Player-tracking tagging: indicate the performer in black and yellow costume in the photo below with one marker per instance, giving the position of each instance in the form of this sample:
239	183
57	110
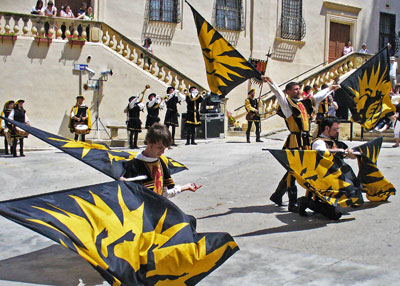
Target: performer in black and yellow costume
251	104
18	113
153	109
327	140
171	116
193	100
5	127
133	122
80	119
322	111
149	170
296	112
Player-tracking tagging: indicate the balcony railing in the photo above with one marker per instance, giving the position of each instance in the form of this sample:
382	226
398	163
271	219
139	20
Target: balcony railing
28	25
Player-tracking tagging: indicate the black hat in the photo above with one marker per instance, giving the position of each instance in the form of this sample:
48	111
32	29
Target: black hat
151	94
191	88
251	90
20	100
131	98
80	96
169	88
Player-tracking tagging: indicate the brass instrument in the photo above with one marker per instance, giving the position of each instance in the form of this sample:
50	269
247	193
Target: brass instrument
142	93
186	92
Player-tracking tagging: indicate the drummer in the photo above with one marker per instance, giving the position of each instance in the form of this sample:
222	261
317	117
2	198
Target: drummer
5	126
80	121
18	113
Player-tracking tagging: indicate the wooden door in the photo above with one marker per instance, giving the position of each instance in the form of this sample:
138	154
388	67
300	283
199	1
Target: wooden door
339	34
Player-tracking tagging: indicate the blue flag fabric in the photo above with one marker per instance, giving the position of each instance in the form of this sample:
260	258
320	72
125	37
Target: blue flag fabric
129	234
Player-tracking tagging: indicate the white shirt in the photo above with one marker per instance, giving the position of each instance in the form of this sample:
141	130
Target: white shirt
155	100
284	104
52	12
11	116
177	94
73	110
393	69
168	193
135	101
320	144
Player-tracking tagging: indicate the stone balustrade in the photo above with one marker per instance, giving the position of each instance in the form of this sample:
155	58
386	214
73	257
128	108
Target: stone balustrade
325	75
28	25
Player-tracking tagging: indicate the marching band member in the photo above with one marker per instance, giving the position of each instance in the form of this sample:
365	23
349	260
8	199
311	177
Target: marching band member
18	113
253	115
80	119
193	100
133	123
171	116
5	126
153	108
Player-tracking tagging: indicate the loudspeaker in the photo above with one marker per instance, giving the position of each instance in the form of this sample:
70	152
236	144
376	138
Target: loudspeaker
212	126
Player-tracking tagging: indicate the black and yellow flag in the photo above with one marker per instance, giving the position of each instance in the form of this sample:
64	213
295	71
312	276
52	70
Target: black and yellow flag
368	89
323	173
375	185
98	156
225	66
129	234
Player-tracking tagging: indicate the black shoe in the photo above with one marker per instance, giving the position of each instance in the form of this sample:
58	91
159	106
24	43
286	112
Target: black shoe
131	147
294	208
22	155
187	143
302	206
193	143
259	140
276	199
135	147
173	144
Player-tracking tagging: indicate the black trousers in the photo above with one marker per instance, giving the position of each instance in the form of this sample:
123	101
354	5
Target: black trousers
133	138
257	124
82	137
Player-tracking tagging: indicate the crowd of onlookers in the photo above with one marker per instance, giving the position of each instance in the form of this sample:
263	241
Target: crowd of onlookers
85	12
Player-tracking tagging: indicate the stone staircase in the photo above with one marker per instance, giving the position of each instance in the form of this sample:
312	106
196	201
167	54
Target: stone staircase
388	135
27	25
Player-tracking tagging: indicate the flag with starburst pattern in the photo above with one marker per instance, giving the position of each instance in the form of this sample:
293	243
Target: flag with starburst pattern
325	174
98	156
368	91
129	234
375	185
225	66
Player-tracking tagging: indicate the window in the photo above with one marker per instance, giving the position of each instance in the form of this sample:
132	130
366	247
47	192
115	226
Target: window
292	24
164	10
387	34
229	15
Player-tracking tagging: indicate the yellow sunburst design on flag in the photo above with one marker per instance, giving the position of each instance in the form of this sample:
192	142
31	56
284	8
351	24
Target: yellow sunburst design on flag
183	261
225	66
86	147
372	99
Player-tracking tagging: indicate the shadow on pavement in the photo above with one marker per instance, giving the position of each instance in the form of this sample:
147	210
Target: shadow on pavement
265	209
53	265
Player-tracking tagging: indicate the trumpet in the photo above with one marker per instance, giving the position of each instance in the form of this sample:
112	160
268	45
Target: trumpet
186	91
142	93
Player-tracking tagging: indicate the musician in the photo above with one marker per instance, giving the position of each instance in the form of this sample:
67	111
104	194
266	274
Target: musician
148	163
133	122
326	141
171	116
193	100
153	109
296	112
5	128
251	104
80	118
18	113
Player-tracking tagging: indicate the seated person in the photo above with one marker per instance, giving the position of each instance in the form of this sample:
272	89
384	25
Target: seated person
327	140
148	164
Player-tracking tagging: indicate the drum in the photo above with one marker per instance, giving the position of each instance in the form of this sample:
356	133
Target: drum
82	129
20	132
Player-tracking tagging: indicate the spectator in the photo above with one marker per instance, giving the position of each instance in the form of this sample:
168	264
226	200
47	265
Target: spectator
38	9
332	107
67	12
393	73
89	14
306	92
364	49
50	10
383	124
348	48
82	11
390	50
149	48
315	88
